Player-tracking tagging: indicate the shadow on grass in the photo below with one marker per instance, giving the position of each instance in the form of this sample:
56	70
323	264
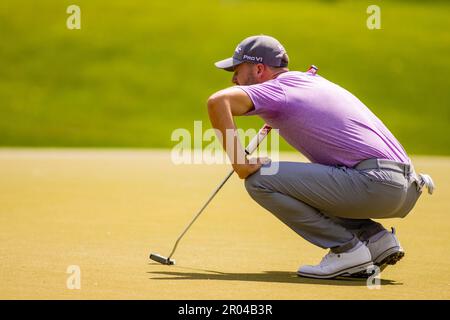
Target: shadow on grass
266	276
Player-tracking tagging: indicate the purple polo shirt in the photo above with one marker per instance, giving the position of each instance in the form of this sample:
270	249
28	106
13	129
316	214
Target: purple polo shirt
323	121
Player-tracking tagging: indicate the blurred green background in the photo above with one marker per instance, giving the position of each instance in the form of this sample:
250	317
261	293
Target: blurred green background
137	70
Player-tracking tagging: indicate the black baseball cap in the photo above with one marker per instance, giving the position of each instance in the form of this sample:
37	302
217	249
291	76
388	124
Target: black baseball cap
256	49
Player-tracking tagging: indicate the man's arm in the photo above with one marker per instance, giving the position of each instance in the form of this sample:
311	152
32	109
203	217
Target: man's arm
222	106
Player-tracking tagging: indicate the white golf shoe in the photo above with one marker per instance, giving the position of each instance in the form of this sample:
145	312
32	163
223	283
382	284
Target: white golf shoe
386	250
339	264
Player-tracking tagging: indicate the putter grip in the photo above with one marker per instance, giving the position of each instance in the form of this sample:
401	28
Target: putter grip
262	133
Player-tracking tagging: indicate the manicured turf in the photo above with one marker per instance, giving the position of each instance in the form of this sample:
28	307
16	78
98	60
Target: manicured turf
137	70
106	211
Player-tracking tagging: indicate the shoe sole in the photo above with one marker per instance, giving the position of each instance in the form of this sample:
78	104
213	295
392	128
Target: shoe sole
388	257
348	271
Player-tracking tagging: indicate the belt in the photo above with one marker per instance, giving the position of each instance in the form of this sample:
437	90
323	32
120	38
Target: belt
421	180
400	167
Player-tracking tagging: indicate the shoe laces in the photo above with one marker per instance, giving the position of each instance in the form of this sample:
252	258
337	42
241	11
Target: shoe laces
329	255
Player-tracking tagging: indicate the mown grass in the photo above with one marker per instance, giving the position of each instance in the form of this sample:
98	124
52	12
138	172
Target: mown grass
138	70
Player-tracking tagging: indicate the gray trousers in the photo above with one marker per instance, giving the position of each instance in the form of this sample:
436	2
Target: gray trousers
333	207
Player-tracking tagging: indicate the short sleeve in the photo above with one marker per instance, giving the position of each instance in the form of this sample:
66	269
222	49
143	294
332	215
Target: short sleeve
268	98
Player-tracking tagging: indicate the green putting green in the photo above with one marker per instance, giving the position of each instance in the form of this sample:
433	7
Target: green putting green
103	212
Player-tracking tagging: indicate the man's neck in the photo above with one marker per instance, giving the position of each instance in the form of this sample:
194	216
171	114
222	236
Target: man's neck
276	74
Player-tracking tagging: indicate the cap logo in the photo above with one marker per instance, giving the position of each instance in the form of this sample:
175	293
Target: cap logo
238	49
252	58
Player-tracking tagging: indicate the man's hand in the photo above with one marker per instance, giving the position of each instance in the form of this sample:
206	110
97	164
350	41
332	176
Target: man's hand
249	168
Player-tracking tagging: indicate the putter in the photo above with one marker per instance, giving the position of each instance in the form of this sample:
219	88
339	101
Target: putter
252	146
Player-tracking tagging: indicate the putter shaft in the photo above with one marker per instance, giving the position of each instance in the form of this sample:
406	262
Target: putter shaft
253	145
201	210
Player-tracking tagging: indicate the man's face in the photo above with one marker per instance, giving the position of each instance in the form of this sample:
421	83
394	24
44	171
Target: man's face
245	74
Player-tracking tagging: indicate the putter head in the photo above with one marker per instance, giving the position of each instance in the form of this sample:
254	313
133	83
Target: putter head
161	259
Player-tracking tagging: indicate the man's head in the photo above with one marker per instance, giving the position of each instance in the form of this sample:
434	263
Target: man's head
248	73
255	60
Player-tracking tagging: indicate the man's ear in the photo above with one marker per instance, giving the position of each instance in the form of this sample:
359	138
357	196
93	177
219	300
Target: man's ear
260	69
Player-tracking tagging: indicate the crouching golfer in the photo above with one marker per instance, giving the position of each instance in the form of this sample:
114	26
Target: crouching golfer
358	170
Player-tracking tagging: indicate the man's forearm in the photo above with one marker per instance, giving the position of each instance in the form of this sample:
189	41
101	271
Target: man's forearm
222	119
